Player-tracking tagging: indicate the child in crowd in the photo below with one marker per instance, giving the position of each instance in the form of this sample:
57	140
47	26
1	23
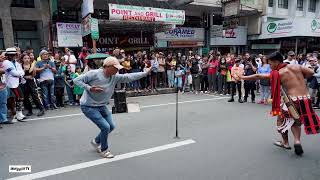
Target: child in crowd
155	66
188	79
77	91
178	78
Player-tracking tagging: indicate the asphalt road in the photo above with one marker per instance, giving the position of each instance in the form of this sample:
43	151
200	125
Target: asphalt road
225	141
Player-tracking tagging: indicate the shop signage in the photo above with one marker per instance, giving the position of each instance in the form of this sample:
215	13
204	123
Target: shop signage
185	44
69	35
161	44
315	26
115	40
94	23
182	33
216	31
290	28
146	14
230	37
229	33
280	27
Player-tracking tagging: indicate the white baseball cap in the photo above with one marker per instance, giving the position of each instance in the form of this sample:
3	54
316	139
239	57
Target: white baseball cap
112	61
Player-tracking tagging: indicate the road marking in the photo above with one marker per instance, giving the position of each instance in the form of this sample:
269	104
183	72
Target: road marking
142	107
155	95
183	102
54	117
88	164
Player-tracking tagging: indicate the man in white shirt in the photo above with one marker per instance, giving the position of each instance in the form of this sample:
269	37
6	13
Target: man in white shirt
291	58
13	73
70	60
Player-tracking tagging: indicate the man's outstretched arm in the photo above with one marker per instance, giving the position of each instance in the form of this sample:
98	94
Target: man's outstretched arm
255	77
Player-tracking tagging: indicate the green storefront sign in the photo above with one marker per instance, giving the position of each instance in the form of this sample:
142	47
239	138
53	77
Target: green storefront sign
315	25
94	28
272	27
284	27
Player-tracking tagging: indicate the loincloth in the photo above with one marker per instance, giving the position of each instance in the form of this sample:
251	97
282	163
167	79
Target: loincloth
308	117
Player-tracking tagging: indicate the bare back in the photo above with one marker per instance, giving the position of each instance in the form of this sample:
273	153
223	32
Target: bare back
293	79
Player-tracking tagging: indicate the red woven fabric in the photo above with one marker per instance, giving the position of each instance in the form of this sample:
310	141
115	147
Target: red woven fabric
275	89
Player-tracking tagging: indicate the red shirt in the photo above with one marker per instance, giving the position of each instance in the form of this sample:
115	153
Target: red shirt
83	56
213	65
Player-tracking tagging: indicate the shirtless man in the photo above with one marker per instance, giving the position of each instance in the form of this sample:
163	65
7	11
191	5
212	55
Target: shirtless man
291	77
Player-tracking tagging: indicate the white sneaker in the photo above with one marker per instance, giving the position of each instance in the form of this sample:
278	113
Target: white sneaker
20	116
96	146
106	154
14	120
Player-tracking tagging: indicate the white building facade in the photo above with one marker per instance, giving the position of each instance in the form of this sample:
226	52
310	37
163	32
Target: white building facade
286	25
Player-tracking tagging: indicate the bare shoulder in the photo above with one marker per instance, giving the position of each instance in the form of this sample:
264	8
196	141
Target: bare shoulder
290	68
294	67
299	69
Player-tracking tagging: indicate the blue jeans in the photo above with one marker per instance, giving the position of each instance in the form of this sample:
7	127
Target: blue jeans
47	88
3	105
265	92
170	75
70	94
178	82
136	84
101	117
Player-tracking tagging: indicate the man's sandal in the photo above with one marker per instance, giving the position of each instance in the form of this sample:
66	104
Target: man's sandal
298	149
280	144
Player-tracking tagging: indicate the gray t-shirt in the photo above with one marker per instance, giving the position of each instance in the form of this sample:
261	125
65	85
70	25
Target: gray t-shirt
98	78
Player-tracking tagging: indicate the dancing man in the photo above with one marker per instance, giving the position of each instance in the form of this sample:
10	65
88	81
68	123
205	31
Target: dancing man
98	88
297	108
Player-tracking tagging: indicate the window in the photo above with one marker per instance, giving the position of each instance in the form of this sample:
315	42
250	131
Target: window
270	4
23	3
283	4
312	5
21	25
300	5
